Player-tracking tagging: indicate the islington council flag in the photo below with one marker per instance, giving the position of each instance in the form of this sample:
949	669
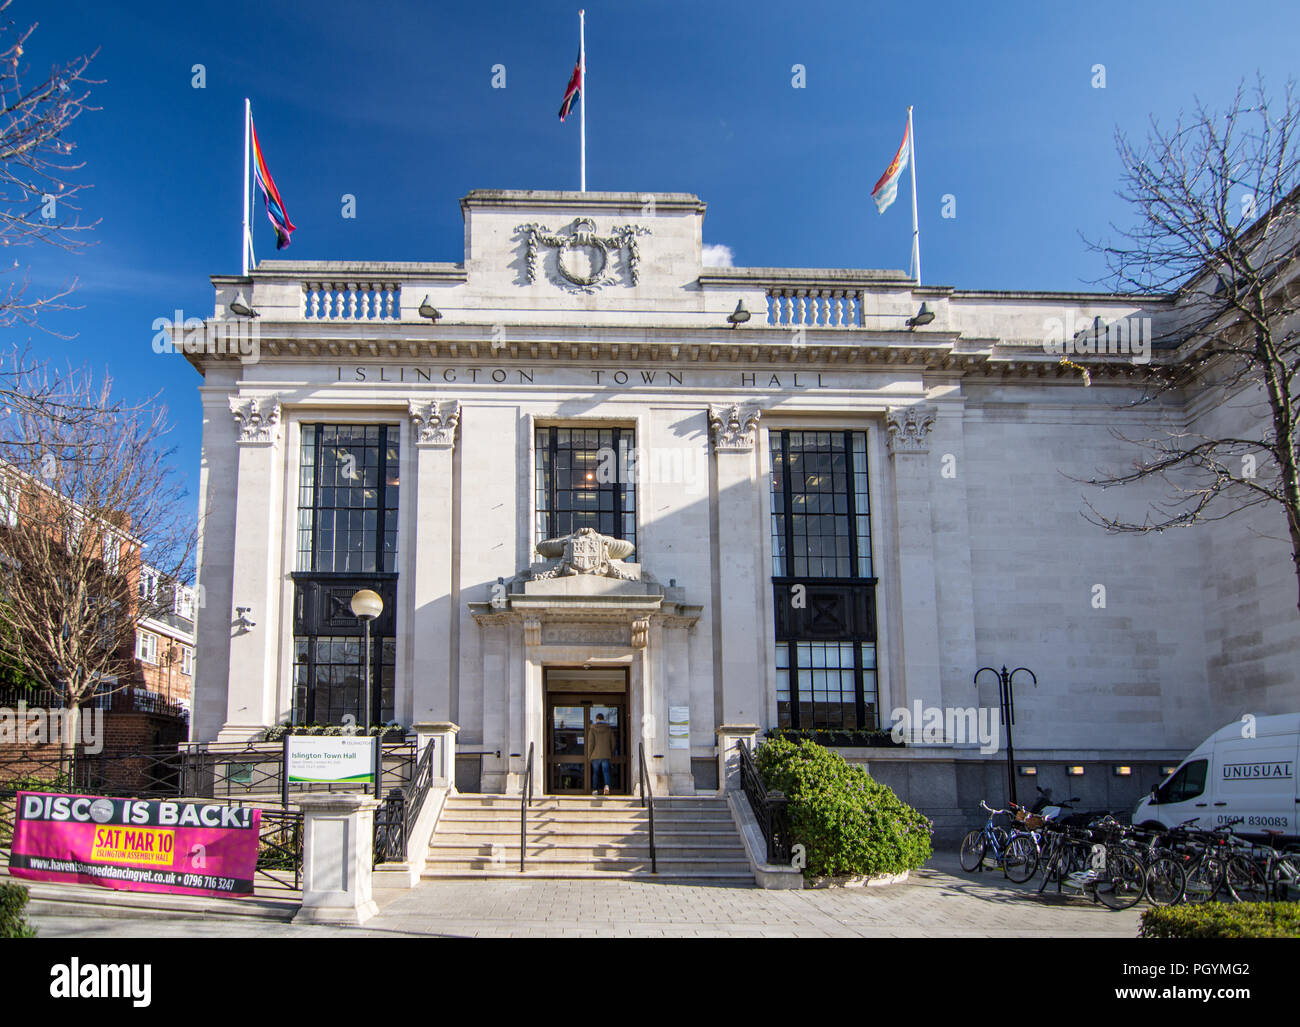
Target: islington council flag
887	188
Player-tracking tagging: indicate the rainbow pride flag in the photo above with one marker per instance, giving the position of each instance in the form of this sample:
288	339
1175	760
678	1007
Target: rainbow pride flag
275	211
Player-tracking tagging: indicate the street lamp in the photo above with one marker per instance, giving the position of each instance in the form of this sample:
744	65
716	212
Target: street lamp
1007	702
367	605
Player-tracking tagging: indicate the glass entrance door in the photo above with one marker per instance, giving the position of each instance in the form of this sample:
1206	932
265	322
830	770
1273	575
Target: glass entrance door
569	737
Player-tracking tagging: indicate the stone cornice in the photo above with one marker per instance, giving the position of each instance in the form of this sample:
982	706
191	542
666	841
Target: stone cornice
536	199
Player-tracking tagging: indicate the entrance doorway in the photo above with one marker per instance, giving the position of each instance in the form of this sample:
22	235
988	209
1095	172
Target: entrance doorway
574	699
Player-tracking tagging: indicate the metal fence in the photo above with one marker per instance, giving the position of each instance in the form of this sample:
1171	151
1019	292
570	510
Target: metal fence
769	807
279	847
127	699
395	818
251	772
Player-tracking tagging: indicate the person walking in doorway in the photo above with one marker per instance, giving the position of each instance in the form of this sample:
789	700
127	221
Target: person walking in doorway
602	751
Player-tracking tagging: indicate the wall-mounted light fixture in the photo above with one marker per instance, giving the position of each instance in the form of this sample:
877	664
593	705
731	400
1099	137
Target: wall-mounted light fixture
1027	770
922	317
738	316
1074	771
240	307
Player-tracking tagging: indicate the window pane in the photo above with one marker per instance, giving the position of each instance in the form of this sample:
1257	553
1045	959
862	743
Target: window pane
582	482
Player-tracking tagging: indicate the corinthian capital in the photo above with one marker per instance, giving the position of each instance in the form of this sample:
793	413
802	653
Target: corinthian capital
435	423
733	429
256	419
909	428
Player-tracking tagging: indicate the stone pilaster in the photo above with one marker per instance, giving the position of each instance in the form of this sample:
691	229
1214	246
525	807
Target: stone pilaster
254	664
733	431
917	607
429	558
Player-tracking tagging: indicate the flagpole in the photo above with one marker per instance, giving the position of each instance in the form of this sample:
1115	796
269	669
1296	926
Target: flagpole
247	241
582	100
916	228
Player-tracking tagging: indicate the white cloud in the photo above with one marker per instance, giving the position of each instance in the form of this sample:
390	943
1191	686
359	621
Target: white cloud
717	255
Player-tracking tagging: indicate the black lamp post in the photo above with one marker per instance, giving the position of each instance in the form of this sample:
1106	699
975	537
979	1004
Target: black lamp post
1007	704
367	605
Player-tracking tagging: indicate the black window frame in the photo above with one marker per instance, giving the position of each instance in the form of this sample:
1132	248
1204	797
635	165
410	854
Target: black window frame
837	609
321	596
546	521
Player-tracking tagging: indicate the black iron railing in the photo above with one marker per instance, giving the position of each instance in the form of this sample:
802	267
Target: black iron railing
525	800
279	850
648	802
769	807
127	699
396	816
8	814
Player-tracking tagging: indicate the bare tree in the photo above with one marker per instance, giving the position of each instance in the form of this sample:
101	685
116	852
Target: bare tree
1216	200
84	506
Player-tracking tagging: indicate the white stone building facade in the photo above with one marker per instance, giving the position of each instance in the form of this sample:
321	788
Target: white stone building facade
837	509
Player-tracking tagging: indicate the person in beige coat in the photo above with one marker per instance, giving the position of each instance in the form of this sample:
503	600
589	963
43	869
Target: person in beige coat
601	751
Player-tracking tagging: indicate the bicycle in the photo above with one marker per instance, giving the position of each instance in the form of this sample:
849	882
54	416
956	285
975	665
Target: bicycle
1281	869
976	846
1025	844
1111	876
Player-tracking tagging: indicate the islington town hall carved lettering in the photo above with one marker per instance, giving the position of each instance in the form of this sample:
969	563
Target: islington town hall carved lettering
385	374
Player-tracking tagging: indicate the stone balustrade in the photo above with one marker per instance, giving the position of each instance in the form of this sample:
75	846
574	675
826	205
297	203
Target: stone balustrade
814	307
351	301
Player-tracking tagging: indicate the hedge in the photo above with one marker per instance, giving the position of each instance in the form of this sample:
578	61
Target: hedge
277	733
848	823
13	900
1221	920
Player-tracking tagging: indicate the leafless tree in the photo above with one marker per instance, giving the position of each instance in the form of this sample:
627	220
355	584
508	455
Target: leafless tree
38	194
1216	200
84	506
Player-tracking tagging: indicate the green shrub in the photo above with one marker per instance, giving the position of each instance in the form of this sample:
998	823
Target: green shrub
1220	920
13	900
37	783
277	733
848	823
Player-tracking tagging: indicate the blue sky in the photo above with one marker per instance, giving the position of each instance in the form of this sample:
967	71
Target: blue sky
393	103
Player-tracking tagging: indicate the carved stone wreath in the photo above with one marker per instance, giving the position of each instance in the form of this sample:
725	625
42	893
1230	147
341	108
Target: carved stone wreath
581	235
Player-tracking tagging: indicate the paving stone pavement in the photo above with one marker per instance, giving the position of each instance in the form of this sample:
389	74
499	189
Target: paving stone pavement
939	901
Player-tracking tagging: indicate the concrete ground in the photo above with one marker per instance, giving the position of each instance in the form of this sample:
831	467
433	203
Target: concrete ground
940	900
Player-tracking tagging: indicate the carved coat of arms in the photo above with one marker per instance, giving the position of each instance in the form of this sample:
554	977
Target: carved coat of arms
586	551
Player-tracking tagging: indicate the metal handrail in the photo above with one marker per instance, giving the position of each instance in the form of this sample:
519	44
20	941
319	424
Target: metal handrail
648	801
525	800
395	819
770	808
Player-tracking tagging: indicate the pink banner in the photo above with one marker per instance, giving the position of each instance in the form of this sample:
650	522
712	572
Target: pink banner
183	848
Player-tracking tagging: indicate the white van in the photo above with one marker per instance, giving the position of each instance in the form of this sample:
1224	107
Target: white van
1246	769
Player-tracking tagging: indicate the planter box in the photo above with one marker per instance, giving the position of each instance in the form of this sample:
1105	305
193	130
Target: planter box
840	739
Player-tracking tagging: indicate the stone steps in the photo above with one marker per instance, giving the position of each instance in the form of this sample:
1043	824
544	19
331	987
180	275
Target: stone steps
588	837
